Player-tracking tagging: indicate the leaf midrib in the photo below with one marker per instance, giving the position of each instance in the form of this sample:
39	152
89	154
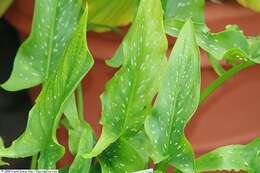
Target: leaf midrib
50	41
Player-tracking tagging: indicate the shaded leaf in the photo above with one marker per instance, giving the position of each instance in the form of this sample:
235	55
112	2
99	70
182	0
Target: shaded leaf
80	138
2	163
95	167
176	102
128	95
54	23
141	143
216	65
40	133
232	157
106	12
64	169
177	12
4	5
253	4
94	26
121	157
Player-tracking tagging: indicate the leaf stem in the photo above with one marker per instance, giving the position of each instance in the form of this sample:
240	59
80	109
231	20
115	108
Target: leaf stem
34	161
80	102
220	80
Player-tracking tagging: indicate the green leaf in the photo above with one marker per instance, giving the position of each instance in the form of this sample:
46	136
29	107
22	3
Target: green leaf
230	44
254	51
232	157
54	23
216	65
177	12
253	4
176	102
4	5
64	169
94	26
81	138
141	143
40	134
2	163
227	44
128	95
121	157
106	12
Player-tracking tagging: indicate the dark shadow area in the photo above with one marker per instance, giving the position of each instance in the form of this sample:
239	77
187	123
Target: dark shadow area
14	106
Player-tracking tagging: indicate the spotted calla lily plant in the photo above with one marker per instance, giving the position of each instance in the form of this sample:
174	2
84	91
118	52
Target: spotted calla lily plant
148	102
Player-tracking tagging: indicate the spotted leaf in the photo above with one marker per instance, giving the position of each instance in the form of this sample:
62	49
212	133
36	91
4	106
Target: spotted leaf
128	95
226	44
40	133
230	44
81	138
54	23
176	102
121	157
179	11
232	157
141	143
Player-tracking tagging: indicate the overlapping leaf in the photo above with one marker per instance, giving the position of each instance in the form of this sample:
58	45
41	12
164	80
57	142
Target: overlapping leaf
176	102
81	138
230	43
121	157
254	50
53	26
177	12
40	134
141	143
2	163
225	44
233	157
106	12
128	95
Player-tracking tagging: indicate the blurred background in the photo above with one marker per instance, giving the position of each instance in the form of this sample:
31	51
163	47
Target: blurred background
14	106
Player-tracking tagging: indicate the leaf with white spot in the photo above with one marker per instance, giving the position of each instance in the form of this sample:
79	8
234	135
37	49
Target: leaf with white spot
232	157
254	50
54	23
227	44
176	102
40	133
106	12
121	157
141	143
81	138
177	12
128	95
230	44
